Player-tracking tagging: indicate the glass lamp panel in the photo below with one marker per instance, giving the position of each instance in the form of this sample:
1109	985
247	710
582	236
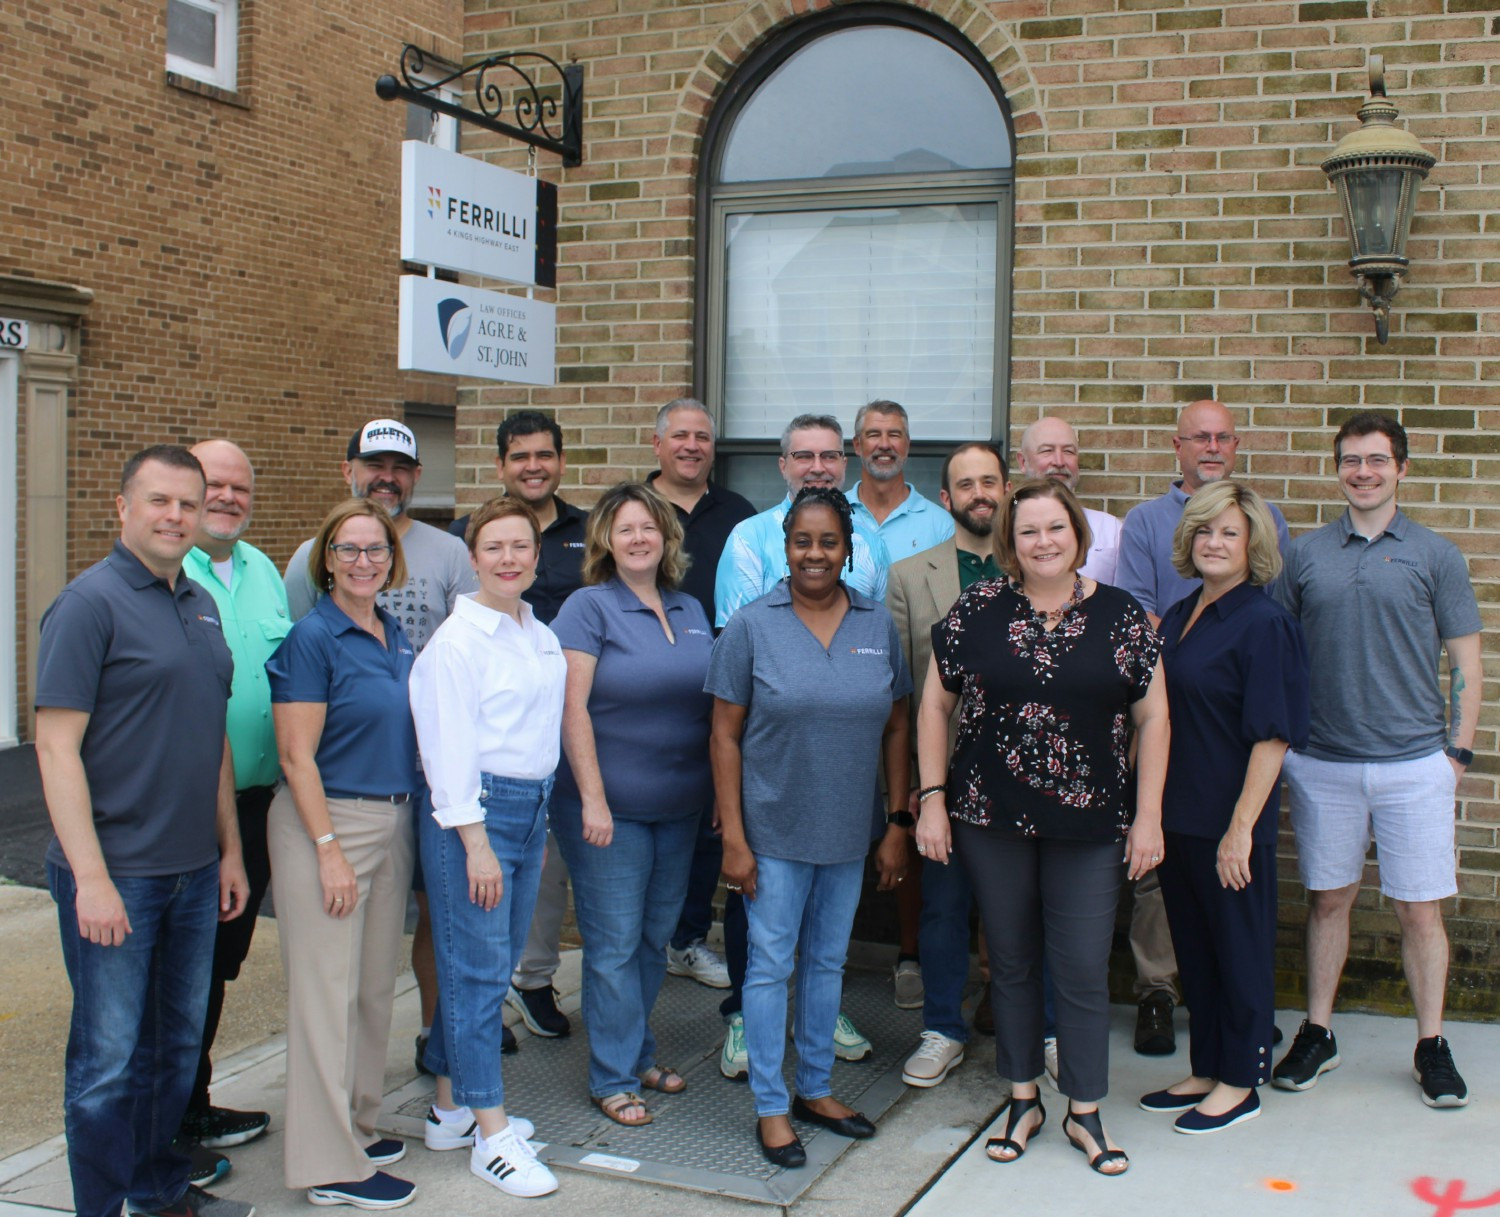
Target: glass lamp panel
1375	206
867	101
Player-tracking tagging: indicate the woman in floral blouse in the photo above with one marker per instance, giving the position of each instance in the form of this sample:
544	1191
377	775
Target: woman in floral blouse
1053	670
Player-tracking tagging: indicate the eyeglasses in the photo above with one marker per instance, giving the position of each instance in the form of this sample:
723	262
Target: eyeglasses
804	457
349	554
1378	461
1226	439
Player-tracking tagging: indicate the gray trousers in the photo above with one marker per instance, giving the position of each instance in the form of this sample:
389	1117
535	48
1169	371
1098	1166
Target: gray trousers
1062	894
539	959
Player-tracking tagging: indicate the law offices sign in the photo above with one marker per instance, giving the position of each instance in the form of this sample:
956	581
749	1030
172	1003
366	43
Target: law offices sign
464	214
469	331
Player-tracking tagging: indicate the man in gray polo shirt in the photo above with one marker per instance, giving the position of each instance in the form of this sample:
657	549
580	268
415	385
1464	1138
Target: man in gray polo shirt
132	688
1379	597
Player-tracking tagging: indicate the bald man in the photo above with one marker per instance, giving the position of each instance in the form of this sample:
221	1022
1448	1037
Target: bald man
1206	447
251	598
1049	449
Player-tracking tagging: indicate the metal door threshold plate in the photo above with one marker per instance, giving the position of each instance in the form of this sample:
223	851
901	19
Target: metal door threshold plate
703	1138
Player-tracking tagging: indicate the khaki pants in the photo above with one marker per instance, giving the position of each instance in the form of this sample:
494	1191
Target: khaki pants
1151	941
341	981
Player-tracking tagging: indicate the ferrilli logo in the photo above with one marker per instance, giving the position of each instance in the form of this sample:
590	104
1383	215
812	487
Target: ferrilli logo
434	202
454	321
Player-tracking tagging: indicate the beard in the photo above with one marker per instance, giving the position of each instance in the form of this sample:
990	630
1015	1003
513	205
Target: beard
393	510
980	527
219	533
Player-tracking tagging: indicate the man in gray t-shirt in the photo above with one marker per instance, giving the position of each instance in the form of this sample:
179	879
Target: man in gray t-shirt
1379	597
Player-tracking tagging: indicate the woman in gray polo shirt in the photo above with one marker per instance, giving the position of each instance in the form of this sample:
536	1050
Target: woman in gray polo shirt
810	691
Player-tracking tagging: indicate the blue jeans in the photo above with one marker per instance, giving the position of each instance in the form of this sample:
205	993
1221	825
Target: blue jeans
802	912
703	881
627	898
476	950
133	1042
943	944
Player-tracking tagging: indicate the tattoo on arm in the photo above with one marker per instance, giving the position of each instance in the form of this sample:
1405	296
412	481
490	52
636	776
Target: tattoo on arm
1456	688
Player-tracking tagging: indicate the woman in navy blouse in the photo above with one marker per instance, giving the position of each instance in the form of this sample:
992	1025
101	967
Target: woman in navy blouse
342	845
635	779
1237	682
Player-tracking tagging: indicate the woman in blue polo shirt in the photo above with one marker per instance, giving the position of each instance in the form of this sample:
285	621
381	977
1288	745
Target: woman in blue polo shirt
635	779
341	844
1237	681
810	693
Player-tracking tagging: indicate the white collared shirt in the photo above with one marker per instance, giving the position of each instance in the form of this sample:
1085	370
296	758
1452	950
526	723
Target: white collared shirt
487	697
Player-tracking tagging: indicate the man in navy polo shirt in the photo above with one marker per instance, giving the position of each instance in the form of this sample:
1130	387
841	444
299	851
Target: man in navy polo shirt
133	682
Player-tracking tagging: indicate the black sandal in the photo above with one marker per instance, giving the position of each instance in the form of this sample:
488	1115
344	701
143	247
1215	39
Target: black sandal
1090	1123
1019	1110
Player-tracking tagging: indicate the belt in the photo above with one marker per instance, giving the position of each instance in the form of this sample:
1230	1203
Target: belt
368	798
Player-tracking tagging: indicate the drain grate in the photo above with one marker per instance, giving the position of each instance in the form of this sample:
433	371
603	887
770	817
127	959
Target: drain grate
703	1138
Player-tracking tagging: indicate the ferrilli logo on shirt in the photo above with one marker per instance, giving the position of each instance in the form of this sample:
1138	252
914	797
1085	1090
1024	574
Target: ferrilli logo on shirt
867	650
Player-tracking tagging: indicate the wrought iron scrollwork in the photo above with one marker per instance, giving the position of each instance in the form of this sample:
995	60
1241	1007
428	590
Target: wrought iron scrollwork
549	117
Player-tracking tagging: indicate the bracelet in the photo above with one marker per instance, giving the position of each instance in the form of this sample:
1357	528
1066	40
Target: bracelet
326	838
928	791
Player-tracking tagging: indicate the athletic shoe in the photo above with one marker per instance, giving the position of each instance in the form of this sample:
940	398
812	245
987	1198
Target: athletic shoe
698	961
1435	1073
1313	1052
538	1010
1194	1122
385	1151
222	1127
196	1202
909	992
421	1046
1049	1060
849	1044
379	1191
205	1167
932	1061
734	1059
511	1165
457	1129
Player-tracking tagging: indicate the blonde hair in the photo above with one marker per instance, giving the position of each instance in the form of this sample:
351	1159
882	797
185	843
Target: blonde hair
599	560
1207	505
1039	488
317	559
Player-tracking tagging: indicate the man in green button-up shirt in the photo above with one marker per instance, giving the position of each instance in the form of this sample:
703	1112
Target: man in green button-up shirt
248	589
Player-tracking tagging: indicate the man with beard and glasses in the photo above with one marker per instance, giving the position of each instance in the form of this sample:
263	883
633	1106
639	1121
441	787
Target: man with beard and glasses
922	590
1206	446
883	499
247	588
1049	449
382	464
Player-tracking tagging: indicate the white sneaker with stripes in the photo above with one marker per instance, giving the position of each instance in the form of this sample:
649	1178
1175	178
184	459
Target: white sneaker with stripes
511	1165
457	1129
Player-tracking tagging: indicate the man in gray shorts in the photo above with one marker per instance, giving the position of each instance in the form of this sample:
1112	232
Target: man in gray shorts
1379	597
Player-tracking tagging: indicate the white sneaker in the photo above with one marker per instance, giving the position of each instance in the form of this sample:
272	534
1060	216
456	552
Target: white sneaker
734	1059
457	1130
511	1165
935	1056
1049	1059
848	1043
909	991
700	962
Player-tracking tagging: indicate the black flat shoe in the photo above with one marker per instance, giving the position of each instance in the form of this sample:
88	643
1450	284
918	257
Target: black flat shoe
789	1156
855	1126
1019	1110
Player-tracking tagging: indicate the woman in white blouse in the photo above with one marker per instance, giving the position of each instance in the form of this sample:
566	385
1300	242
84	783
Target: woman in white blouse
487	697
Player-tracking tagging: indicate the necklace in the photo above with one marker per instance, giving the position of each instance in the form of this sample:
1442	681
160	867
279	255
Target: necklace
1053	616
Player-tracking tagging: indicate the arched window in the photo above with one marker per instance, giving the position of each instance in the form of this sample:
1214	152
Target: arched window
856	207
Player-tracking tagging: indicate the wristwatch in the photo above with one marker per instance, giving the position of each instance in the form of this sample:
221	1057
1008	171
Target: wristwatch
1463	756
901	819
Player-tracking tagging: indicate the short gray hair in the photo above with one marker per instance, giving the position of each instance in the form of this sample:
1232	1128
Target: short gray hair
804	422
881	406
683	403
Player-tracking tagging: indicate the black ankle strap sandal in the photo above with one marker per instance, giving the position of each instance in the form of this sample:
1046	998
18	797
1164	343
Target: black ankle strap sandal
1008	1145
1090	1123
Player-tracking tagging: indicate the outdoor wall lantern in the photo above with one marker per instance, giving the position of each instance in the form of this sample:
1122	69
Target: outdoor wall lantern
1377	170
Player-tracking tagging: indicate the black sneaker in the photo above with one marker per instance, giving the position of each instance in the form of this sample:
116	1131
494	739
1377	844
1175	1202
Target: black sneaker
222	1127
1154	1033
196	1202
1433	1069
538	1009
1313	1052
204	1166
421	1046
508	1041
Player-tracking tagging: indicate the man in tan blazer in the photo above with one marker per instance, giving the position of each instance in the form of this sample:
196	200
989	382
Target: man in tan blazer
921	590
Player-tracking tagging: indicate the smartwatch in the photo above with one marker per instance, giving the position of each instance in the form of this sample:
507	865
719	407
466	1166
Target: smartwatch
1464	756
901	819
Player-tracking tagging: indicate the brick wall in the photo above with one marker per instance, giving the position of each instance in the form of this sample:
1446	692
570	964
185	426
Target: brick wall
243	250
1175	239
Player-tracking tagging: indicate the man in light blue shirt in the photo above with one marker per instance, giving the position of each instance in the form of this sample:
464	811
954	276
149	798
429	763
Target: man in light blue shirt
754	557
883	500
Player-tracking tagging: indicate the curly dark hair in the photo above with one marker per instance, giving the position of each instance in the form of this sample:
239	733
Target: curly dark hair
834	500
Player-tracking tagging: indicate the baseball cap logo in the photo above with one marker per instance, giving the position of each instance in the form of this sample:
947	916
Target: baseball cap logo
454	321
383	435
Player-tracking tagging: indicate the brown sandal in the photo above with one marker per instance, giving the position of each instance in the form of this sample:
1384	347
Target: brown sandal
615	1105
664	1079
